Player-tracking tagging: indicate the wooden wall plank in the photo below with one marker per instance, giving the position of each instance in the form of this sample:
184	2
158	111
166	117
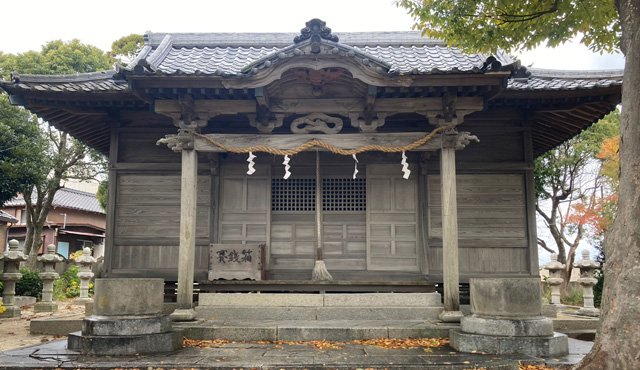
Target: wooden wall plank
492	223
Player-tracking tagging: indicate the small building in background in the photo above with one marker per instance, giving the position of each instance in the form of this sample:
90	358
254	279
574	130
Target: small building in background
75	221
5	220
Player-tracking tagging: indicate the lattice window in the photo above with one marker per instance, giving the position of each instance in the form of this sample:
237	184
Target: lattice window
340	194
293	195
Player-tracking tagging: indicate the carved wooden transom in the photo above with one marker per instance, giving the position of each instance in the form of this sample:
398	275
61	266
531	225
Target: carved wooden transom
319	77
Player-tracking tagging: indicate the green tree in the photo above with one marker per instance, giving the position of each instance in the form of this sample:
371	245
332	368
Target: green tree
67	158
57	58
485	25
21	150
570	192
124	49
102	193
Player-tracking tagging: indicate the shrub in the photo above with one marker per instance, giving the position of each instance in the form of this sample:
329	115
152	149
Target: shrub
30	284
68	285
575	296
597	289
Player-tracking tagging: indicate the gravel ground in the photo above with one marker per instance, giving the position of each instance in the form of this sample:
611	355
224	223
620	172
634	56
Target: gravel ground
14	332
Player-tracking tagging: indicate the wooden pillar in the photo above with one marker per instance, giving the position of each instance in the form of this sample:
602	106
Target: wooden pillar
452	140
186	258
450	276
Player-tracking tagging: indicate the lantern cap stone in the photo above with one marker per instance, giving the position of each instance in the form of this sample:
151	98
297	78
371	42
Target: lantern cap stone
50	256
13	254
554	264
86	258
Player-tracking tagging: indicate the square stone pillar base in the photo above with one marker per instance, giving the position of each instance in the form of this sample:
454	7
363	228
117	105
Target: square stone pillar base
127	320
45	307
553	346
11	311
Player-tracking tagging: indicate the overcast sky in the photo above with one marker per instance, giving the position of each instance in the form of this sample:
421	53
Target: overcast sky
31	23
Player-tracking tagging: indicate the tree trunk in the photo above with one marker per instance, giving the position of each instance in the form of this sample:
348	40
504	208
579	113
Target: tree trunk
617	345
36	218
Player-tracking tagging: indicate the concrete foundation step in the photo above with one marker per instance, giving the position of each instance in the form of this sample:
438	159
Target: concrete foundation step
322	307
297	330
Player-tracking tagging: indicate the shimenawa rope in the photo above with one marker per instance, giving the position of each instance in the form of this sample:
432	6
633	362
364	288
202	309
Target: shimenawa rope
322	144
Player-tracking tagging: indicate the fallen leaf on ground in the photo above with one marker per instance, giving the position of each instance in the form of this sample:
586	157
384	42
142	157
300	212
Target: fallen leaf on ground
323	344
533	367
404	343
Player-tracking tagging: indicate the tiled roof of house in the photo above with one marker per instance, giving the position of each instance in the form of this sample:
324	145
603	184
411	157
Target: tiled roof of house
66	198
554	79
5	217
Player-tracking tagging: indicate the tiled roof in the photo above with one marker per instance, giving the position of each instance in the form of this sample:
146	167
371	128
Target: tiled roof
66	198
236	55
281	40
5	217
79	83
550	79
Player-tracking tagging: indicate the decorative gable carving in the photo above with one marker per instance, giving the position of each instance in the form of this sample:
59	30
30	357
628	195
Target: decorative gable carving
317	29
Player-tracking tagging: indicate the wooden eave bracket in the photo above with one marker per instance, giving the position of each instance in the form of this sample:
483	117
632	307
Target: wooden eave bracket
449	114
365	121
186	116
263	119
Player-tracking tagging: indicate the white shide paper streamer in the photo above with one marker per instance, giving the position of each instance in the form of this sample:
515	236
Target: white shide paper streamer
405	166
287	173
355	168
251	164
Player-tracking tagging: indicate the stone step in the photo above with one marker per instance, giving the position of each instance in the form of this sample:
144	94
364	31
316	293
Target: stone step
296	330
321	300
317	313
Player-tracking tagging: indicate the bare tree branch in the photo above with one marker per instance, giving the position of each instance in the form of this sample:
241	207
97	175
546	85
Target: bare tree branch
544	246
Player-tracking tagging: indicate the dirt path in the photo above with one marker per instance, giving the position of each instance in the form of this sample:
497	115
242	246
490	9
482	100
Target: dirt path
14	333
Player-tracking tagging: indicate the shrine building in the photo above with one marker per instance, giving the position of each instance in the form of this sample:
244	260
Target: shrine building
392	158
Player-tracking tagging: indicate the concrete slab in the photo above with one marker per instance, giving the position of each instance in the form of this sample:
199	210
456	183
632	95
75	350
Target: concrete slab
428	331
54	355
383	300
338	330
256	313
60	325
378	313
564	322
336	333
264	300
232	332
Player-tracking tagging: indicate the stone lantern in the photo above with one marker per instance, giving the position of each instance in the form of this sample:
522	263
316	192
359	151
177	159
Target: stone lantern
555	278
49	274
85	274
11	259
587	267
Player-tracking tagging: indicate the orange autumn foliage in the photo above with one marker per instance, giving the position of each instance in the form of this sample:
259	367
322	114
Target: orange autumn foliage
610	156
596	214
